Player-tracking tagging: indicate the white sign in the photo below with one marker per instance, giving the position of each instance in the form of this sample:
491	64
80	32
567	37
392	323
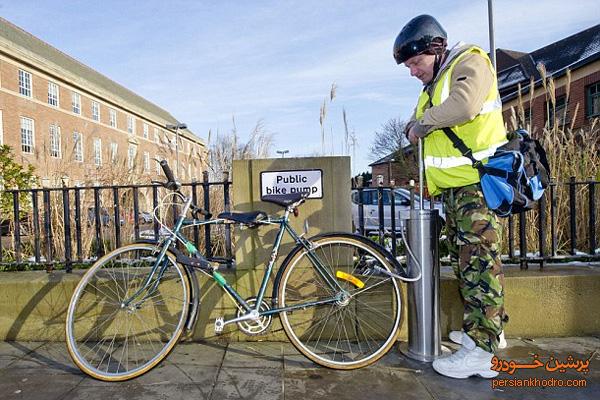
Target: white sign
286	182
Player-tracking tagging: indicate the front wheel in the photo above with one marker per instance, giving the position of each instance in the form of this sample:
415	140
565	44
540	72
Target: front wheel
114	330
348	310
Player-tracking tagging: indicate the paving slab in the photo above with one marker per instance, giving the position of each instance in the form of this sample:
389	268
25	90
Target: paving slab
275	370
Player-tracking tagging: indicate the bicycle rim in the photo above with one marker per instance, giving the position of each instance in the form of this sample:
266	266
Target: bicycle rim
361	325
112	341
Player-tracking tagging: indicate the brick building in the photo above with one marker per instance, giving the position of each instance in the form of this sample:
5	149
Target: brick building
78	127
395	169
580	55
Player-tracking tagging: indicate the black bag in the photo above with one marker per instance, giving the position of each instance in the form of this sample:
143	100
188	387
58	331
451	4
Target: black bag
515	177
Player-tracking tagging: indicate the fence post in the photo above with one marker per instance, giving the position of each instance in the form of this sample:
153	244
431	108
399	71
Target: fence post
228	251
117	217
393	219
206	187
47	228
592	207
380	215
511	237
195	201
553	201
17	226
522	242
542	229
36	225
136	213
155	207
78	224
361	209
99	243
572	211
67	222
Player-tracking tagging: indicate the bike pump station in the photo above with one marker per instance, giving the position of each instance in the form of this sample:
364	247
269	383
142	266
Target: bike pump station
424	331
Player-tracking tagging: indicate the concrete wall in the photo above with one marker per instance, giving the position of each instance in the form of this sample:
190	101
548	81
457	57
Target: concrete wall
331	213
558	302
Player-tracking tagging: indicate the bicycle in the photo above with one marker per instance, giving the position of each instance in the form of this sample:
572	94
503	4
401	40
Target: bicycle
336	295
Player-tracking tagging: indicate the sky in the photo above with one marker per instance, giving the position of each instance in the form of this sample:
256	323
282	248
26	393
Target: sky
210	62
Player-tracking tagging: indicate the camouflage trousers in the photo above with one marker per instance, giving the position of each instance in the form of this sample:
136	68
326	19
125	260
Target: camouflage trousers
474	235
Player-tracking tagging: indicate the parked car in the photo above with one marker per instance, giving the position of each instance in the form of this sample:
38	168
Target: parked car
105	218
148	234
371	209
145	217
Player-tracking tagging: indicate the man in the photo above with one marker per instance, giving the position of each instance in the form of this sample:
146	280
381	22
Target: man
460	92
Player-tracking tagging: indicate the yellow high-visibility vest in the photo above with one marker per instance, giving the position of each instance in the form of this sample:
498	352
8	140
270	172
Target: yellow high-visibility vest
445	166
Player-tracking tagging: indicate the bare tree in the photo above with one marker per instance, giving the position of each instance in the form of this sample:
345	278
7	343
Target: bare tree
227	148
389	139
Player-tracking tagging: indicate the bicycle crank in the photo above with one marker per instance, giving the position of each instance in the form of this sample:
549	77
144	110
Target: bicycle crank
256	325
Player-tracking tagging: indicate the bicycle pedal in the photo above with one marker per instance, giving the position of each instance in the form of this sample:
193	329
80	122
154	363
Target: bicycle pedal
219	324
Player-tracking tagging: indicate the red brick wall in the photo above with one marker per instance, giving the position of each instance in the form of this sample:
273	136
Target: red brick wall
401	173
14	106
577	96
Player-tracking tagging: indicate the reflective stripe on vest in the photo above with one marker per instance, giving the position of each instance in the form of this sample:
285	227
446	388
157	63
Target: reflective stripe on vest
451	162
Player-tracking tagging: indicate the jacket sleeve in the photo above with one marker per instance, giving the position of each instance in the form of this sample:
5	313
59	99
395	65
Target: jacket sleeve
470	83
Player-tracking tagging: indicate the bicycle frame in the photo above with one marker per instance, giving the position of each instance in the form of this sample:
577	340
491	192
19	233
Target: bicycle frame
197	261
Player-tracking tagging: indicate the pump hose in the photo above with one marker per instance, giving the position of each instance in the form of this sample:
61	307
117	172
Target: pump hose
411	254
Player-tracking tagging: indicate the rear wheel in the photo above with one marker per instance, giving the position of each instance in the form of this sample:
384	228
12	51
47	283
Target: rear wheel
113	340
354	324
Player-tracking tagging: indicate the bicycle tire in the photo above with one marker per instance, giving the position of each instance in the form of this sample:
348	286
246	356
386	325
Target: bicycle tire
356	331
113	342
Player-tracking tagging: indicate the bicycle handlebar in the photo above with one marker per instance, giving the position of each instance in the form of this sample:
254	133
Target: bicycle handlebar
174	185
171	181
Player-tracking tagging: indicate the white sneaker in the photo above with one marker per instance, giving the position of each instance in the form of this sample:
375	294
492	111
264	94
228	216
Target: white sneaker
469	360
456	337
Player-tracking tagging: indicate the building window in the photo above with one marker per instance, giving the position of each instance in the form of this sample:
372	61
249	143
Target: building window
78	146
53	94
146	161
95	111
55	142
592	94
24	83
98	152
130	124
158	167
114	148
27	135
145	126
112	118
559	114
131	156
156	135
76	102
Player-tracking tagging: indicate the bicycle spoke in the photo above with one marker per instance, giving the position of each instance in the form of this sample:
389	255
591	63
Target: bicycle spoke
357	328
114	340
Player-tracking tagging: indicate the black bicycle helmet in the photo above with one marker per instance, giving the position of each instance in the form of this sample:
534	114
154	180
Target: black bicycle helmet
422	34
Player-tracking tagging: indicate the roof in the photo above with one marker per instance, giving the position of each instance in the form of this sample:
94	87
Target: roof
391	157
507	58
571	52
30	45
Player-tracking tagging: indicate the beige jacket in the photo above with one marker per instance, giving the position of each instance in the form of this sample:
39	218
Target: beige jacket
470	83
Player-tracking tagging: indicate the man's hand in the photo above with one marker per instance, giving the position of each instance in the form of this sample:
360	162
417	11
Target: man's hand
412	135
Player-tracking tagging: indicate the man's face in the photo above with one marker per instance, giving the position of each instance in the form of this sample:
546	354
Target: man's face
421	66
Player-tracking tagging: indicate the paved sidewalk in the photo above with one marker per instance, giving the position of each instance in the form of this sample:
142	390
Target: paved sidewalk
268	371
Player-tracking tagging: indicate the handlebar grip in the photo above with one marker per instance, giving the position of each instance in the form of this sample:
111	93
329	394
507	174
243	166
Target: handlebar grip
201	211
167	171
